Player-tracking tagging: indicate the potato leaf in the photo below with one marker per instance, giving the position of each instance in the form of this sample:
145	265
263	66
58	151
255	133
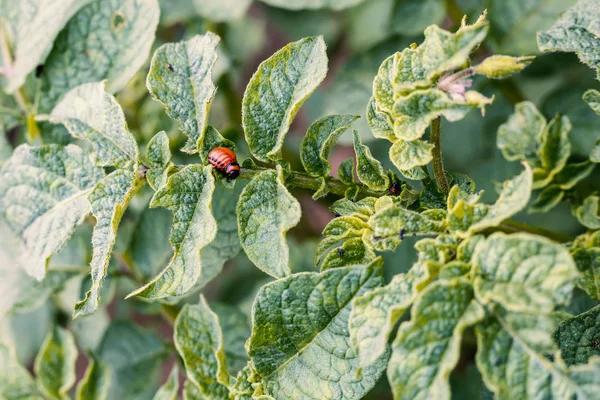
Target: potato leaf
523	273
89	113
188	195
43	198
466	216
15	381
277	90
109	200
576	31
300	323
199	341
38	23
180	78
319	141
578	337
159	160
55	364
102	51
265	212
427	348
95	382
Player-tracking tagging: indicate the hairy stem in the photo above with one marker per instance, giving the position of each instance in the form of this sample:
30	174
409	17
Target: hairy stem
305	181
438	164
510	226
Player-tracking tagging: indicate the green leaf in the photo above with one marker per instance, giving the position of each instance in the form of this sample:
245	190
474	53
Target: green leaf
242	387
578	337
548	198
168	391
411	154
265	212
576	30
592	97
227	242
191	391
37	25
588	213
180	78
368	169
363	208
310	4
519	138
544	146
343	250
415	112
588	263
55	364
466	216
277	90
109	200
43	194
88	112
392	223
102	51
572	174
345	171
15	381
132	355
95	383
236	330
222	10
523	273
300	323
427	348
555	148
199	341
512	355
500	67
188	195
375	313
381	124
319	141
515	23
149	249
527	137
159	160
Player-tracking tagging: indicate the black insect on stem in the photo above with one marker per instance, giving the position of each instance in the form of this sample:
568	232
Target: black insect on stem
39	70
171	68
401	234
395	188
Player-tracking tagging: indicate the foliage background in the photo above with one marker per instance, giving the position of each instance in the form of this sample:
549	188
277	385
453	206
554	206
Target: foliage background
358	39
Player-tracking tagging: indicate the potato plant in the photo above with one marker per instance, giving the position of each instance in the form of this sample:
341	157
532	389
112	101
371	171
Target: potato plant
133	266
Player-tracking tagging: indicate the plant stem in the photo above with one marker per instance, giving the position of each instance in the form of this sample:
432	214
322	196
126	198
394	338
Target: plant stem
305	181
438	164
509	226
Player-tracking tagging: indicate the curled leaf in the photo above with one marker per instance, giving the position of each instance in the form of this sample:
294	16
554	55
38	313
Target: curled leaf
319	140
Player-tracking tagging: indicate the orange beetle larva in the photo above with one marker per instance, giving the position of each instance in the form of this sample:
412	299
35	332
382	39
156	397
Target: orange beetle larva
225	161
